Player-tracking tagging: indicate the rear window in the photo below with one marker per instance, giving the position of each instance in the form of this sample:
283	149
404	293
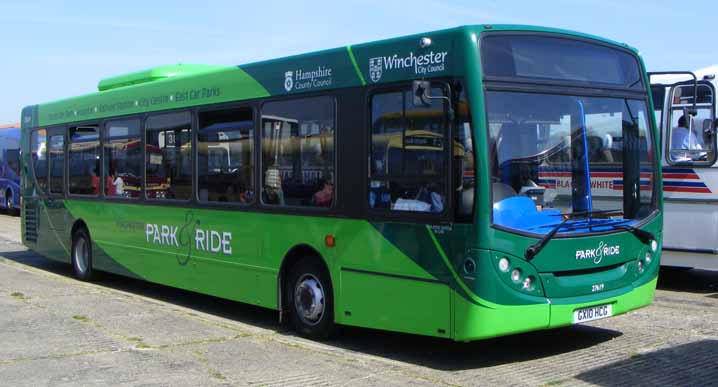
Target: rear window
558	59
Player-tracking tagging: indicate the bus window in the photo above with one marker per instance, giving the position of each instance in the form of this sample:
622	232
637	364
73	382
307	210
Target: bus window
38	144
168	156
84	160
298	152
407	156
57	164
123	159
225	145
464	177
687	141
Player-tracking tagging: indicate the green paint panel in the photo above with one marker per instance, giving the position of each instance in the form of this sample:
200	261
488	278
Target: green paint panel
395	304
324	70
226	84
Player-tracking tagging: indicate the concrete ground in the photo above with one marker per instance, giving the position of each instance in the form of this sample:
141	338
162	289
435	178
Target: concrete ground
57	331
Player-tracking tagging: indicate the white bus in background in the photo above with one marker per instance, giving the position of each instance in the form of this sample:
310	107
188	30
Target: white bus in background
690	166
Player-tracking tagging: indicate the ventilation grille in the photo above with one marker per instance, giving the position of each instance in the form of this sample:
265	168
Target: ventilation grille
30	221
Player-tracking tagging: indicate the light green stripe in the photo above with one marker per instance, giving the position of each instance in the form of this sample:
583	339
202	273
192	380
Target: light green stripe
197	257
356	66
453	272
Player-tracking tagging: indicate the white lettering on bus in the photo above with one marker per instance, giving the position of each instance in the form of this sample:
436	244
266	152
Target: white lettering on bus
162	235
205	240
213	241
597	254
430	62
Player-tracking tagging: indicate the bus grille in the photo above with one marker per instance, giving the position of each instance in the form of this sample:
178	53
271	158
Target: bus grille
30	221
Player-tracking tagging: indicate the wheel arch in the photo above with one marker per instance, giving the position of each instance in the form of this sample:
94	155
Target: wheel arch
294	255
77	225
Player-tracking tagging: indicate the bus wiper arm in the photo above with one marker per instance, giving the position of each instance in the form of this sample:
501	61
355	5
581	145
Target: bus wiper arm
536	248
644	236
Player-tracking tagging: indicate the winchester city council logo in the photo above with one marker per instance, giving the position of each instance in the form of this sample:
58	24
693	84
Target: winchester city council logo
423	64
375	69
597	254
288	80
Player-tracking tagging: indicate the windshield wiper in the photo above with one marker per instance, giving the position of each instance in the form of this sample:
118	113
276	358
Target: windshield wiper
536	248
644	236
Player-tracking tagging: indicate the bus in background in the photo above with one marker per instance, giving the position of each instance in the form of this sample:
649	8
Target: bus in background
466	183
685	109
10	169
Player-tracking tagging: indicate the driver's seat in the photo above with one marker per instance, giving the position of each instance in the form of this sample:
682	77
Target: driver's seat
516	143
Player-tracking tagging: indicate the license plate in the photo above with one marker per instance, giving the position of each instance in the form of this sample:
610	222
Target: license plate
592	313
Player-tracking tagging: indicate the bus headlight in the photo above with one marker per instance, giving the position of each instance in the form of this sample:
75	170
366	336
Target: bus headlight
516	275
648	258
654	245
640	266
504	264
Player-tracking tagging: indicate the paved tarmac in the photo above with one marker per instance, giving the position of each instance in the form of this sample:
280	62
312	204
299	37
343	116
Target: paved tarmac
56	331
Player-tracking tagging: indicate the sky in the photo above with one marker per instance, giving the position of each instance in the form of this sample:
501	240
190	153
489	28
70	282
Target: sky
56	49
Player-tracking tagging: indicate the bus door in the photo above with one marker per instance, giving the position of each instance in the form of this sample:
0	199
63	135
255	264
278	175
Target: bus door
409	198
690	171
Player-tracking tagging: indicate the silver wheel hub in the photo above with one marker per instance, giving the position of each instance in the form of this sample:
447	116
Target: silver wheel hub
309	299
81	255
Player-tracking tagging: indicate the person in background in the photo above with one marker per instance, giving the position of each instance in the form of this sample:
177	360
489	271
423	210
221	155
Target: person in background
272	192
95	181
119	185
323	197
682	138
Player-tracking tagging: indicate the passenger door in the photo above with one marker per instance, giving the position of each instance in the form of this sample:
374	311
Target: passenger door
690	172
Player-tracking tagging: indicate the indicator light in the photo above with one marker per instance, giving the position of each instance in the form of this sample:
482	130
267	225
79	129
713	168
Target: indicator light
529	283
330	241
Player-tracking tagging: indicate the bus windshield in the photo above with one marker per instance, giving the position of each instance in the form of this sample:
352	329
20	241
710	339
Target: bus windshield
558	154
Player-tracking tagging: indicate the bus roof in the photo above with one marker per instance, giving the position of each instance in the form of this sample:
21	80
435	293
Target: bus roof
185	85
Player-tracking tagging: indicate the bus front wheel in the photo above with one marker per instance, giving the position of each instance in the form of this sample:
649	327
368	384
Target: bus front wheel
311	299
82	255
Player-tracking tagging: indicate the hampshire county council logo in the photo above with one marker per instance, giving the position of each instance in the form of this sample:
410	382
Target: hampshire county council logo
288	80
375	69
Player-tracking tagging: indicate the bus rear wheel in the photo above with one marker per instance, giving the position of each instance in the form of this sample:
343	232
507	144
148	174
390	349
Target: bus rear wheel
311	299
82	255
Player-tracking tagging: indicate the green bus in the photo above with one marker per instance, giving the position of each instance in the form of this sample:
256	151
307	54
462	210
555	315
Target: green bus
465	183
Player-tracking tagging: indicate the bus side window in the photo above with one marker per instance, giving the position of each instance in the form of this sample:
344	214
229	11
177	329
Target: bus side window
689	141
464	170
123	159
83	158
57	164
298	152
38	145
225	155
408	154
168	156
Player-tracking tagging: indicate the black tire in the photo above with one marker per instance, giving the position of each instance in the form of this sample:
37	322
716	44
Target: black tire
82	255
310	296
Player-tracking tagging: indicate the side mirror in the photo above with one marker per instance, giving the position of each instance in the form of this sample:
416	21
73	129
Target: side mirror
421	91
